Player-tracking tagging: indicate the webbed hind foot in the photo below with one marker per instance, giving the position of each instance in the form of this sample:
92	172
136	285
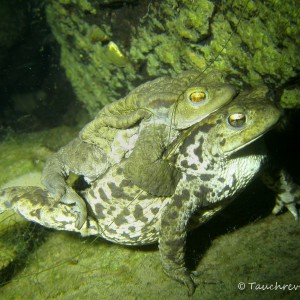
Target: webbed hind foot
35	204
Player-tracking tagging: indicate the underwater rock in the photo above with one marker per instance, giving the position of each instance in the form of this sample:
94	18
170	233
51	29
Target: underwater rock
290	98
26	153
108	47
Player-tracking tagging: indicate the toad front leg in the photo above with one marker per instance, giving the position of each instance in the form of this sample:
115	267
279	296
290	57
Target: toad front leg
77	157
172	239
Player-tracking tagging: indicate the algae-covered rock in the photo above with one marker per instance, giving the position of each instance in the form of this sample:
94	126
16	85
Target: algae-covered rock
167	40
19	158
94	64
262	43
25	153
252	41
290	98
107	47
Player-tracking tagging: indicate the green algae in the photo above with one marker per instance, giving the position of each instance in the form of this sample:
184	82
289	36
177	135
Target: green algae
264	40
169	36
92	63
249	41
17	159
290	98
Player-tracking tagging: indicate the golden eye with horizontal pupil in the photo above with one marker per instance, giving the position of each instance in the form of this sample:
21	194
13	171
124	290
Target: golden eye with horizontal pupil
197	97
237	120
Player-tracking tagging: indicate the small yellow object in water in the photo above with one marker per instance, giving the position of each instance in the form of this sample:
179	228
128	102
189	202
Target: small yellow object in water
115	54
114	48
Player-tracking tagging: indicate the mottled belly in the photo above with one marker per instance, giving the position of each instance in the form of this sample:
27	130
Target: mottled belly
125	214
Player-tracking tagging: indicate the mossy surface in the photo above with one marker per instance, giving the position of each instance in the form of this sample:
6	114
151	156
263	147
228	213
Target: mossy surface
290	98
94	64
108	47
18	158
25	153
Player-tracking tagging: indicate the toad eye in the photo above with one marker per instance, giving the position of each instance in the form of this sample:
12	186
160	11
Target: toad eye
237	120
198	97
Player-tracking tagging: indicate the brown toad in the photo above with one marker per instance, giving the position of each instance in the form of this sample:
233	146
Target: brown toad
139	126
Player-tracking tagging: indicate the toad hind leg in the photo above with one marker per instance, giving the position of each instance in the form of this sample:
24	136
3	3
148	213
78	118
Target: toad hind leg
34	204
286	190
146	167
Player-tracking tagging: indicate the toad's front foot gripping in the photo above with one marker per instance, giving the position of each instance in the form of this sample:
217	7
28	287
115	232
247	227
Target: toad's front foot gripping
54	175
59	191
78	206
